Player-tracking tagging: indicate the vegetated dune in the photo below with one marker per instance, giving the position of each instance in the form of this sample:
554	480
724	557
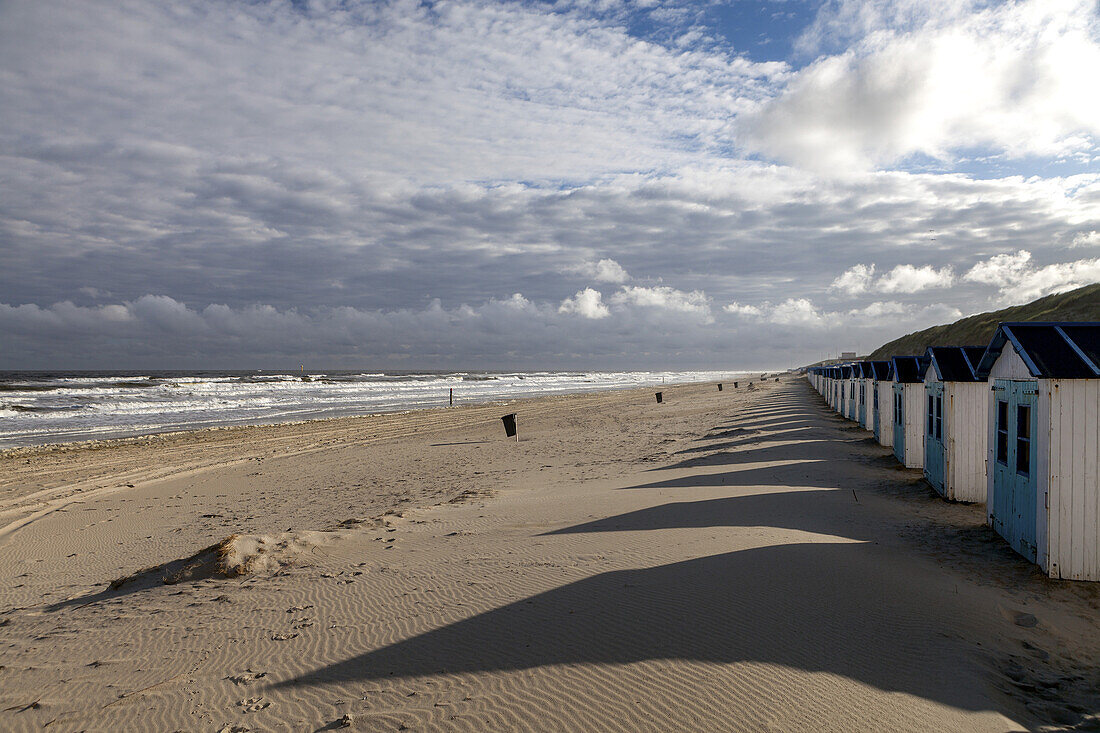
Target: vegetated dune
1082	304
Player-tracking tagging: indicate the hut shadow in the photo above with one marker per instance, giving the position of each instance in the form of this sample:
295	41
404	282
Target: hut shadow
795	434
820	511
819	607
797	472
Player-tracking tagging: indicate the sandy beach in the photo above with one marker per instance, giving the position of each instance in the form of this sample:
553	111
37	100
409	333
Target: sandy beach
735	560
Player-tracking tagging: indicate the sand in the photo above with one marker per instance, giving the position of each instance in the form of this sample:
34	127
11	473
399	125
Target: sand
736	560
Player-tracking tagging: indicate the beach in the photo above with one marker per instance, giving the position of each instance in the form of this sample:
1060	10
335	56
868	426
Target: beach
726	560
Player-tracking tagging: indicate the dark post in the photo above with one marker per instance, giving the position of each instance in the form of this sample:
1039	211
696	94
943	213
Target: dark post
660	397
719	386
452	396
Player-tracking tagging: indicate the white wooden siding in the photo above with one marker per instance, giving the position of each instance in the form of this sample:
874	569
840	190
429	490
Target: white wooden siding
915	408
885	413
1073	481
965	434
1009	365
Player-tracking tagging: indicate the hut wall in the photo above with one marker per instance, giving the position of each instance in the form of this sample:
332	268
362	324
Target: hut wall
1073	478
1009	365
914	408
965	412
885	412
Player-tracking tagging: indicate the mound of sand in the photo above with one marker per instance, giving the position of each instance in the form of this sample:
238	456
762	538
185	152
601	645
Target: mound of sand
236	555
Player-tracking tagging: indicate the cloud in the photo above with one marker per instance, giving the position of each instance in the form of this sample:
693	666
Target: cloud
370	181
604	271
910	279
796	312
804	314
855	280
740	309
901	279
1015	79
587	303
1087	239
664	297
1019	281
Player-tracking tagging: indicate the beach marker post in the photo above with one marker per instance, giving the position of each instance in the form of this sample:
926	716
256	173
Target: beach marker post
719	386
452	398
660	397
510	426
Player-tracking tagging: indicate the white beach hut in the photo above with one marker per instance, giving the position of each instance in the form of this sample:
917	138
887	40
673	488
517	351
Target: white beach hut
955	415
853	391
865	397
908	418
882	399
1043	477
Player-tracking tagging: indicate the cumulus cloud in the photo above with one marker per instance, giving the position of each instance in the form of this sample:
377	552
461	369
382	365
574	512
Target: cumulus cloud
587	303
910	279
1014	78
741	309
855	280
1019	281
901	279
605	271
664	297
803	313
1087	239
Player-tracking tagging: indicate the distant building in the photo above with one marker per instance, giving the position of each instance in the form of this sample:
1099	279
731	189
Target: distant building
847	355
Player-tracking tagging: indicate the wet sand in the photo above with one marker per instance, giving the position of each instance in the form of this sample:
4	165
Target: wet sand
736	560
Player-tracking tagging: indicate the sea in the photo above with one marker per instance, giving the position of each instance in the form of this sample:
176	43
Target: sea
38	408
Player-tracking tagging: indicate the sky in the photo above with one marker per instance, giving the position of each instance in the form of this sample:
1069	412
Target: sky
554	184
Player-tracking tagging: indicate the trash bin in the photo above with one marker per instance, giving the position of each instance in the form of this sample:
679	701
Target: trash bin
510	425
660	397
719	386
735	385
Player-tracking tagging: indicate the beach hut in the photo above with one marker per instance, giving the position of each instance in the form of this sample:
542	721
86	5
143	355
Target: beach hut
882	396
1043	477
866	394
853	389
955	415
908	406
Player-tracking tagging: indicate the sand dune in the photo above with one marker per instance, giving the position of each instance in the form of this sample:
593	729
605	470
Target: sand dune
722	561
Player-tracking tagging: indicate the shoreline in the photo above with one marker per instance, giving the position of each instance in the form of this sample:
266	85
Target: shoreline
94	443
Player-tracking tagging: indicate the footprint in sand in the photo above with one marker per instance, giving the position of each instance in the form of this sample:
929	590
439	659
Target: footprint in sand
253	704
246	678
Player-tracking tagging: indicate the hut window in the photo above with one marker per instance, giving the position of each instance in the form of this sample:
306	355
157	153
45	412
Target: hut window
931	416
1002	432
939	417
1023	439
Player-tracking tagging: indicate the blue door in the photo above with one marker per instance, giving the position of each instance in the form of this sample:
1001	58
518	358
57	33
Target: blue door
852	400
899	422
933	435
1015	460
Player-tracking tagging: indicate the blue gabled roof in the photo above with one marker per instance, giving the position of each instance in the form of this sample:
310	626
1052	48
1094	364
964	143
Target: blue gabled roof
952	363
1050	350
907	368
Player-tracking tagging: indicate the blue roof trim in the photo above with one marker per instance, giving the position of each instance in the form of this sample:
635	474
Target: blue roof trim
1020	350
